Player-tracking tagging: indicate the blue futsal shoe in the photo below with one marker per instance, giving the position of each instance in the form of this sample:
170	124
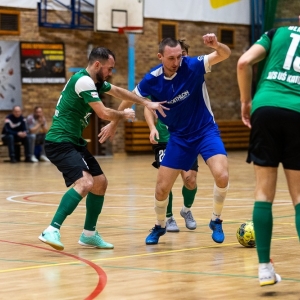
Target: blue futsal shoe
156	232
218	234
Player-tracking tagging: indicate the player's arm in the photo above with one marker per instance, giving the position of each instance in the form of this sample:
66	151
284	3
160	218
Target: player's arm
109	130
126	95
221	52
109	114
244	76
151	124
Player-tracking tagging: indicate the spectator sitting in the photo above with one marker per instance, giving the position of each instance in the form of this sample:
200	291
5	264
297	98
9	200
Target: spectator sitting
14	131
37	128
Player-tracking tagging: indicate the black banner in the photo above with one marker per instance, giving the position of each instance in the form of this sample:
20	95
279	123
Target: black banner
42	63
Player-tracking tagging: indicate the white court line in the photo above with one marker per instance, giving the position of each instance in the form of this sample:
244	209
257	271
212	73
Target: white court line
278	202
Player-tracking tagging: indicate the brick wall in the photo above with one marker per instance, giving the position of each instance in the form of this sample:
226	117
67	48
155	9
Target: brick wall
221	82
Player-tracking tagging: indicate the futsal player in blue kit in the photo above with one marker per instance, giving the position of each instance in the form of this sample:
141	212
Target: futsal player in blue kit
180	81
193	131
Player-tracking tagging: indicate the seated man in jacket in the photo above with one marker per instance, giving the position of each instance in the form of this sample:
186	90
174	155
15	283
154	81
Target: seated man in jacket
14	131
37	129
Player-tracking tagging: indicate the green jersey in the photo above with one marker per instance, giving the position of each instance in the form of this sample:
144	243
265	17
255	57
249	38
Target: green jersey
73	111
162	131
279	84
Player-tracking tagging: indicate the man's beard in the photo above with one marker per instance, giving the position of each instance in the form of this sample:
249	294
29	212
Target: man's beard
99	77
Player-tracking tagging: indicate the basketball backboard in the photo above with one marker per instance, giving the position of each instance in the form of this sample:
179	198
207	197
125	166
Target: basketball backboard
112	14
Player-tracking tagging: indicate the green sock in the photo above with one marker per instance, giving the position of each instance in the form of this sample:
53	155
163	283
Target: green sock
169	207
94	205
263	225
188	196
68	203
297	219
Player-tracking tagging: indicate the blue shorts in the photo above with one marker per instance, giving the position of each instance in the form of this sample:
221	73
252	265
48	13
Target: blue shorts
181	154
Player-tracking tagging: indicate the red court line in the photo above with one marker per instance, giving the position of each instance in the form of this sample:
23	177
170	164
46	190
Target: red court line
102	278
27	198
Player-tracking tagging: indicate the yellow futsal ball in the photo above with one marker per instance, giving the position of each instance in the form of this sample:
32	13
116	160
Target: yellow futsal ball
245	234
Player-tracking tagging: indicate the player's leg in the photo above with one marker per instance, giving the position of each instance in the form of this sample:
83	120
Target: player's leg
265	151
94	203
293	179
159	153
218	166
176	158
266	178
171	225
214	154
165	180
189	191
69	161
291	160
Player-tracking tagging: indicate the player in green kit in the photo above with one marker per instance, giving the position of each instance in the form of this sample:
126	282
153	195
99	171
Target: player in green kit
159	137
66	148
274	118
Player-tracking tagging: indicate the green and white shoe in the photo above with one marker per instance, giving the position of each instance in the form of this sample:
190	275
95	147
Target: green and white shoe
94	241
52	238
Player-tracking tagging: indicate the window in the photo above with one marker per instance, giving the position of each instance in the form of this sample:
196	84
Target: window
167	29
9	22
226	36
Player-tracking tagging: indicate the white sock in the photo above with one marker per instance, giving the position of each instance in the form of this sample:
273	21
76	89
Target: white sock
51	228
88	232
185	209
160	208
218	201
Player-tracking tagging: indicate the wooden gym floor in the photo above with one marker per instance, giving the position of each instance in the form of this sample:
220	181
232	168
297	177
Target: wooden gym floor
184	265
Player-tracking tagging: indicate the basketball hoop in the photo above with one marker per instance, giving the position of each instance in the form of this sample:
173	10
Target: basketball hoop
130	29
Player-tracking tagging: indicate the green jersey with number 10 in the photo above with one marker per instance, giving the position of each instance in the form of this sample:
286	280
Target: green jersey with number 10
279	84
73	111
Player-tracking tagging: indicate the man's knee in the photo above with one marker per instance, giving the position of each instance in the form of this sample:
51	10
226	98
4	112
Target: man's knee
161	192
8	139
222	179
99	185
190	180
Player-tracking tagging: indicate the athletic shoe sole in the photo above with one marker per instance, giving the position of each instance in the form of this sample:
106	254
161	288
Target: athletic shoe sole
93	246
53	245
266	283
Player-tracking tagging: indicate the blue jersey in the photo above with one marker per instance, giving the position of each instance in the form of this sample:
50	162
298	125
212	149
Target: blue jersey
190	113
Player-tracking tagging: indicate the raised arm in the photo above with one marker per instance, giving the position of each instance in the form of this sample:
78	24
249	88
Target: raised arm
221	52
244	76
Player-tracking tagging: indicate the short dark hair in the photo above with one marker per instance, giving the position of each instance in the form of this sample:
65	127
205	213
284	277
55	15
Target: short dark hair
37	107
101	54
184	45
167	42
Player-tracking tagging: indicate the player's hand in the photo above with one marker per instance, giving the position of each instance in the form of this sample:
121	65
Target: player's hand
154	134
108	131
157	106
22	134
129	114
245	113
210	40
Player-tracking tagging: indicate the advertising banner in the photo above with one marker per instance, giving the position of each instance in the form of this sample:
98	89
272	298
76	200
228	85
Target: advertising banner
42	62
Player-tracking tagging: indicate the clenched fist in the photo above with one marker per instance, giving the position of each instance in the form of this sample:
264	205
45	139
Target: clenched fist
129	113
